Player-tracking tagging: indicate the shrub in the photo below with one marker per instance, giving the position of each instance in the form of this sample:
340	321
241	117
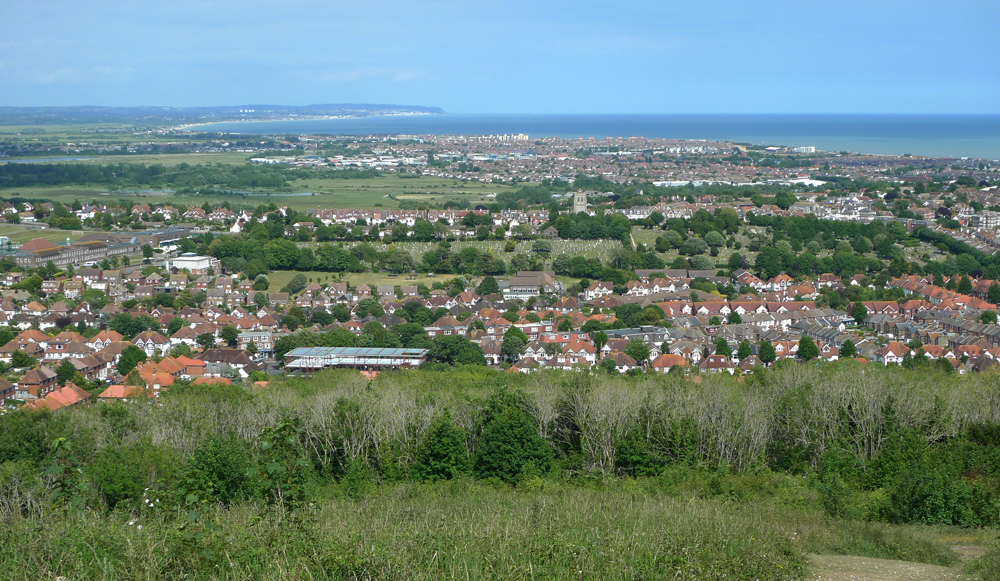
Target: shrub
442	454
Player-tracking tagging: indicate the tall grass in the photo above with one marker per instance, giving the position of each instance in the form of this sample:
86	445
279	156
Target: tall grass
463	529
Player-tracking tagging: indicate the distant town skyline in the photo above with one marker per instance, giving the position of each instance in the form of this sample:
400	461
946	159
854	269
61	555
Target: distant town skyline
518	57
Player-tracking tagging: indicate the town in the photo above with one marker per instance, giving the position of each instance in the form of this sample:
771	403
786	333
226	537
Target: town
617	281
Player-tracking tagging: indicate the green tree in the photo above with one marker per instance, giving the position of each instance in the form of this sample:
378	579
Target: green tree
442	453
147	252
722	348
744	350
489	286
19	359
285	472
130	357
859	312
766	353
965	286
734	318
993	293
600	339
848	349
229	334
988	317
206	340
638	350
510	448
807	349
65	371
181	349
368	306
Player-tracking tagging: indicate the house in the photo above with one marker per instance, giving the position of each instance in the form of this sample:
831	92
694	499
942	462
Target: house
153	343
65	396
893	353
716	364
623	362
36	383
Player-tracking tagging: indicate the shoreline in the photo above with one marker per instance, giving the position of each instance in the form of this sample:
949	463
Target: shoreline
945	137
186	127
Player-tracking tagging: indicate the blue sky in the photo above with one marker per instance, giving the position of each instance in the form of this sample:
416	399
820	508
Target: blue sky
667	56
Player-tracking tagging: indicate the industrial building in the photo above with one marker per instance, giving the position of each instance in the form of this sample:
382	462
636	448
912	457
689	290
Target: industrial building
363	358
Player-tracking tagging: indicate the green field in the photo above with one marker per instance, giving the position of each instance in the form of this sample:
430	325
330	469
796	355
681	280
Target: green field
22	234
326	193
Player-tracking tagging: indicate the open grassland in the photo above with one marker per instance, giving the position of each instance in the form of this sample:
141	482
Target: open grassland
21	234
624	530
381	192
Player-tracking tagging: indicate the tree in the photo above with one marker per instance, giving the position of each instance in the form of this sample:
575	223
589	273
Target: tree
993	293
638	350
744	350
261	300
848	349
229	334
766	353
734	318
297	283
181	349
722	348
859	312
456	350
807	349
965	286
65	371
541	247
130	357
600	339
988	317
368	306
510	448
442	453
147	252
513	343
489	286
206	340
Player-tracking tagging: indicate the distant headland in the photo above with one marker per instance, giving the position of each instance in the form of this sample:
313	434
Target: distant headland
151	115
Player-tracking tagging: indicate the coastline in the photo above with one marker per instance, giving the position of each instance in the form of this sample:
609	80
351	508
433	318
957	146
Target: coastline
939	136
292	118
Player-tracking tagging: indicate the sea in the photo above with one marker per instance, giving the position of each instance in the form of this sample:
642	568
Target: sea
952	136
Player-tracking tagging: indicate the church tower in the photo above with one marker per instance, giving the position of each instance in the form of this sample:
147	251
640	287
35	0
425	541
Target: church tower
579	202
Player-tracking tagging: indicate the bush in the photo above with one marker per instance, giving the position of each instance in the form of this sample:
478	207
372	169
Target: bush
510	447
121	474
442	454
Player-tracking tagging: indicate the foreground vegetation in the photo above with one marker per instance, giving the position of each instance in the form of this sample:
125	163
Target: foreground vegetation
549	476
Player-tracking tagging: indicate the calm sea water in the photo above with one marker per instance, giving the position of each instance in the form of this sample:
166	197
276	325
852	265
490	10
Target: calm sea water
936	135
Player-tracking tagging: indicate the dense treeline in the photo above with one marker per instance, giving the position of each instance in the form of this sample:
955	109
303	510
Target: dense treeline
180	176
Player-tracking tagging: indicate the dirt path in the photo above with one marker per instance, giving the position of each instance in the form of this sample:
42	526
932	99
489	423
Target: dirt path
842	568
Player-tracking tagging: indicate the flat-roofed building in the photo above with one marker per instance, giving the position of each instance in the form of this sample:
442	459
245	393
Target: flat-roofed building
311	358
193	263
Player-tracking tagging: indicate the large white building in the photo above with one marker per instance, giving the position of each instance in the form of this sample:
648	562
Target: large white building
192	262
